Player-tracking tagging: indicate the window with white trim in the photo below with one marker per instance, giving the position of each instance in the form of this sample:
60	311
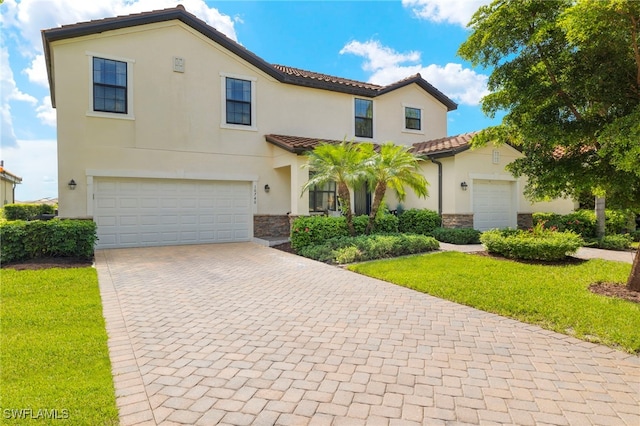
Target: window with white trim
412	118
364	118
111	93
238	102
109	86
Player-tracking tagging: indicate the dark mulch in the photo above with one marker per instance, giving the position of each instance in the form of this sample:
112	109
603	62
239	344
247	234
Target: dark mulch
47	263
284	247
566	261
615	290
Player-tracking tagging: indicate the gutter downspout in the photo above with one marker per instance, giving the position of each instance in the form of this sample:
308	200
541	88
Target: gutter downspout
439	184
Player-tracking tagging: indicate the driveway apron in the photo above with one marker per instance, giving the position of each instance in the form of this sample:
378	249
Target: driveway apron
243	334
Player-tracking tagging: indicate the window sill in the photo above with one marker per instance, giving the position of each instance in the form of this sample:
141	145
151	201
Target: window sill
110	115
238	127
412	131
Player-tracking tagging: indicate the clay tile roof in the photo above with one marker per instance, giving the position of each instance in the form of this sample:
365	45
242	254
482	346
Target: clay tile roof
284	74
8	176
297	144
443	147
325	78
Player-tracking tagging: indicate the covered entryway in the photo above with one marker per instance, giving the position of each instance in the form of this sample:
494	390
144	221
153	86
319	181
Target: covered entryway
493	204
137	212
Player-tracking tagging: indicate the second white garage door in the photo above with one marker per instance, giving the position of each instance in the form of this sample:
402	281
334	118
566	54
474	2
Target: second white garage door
493	205
153	212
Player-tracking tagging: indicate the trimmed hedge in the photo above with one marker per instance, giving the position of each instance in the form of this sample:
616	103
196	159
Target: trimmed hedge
457	235
584	222
419	221
618	242
315	230
368	247
535	244
26	211
23	240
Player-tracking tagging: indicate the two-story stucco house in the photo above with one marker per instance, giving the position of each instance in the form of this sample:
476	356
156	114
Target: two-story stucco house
8	182
176	134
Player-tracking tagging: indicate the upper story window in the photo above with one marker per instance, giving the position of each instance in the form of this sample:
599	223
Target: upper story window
110	86
238	101
364	118
412	118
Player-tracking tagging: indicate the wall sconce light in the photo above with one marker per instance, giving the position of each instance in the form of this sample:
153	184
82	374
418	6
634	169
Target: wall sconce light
72	184
267	188
464	186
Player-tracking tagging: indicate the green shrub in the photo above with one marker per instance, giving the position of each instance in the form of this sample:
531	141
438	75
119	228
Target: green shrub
56	238
635	235
367	247
614	242
26	211
347	254
581	222
415	221
457	235
315	230
619	221
535	244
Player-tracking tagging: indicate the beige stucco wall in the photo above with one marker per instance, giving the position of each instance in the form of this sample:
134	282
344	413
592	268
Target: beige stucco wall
175	129
477	164
6	192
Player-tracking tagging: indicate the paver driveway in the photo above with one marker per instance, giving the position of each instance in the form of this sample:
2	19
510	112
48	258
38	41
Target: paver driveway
243	334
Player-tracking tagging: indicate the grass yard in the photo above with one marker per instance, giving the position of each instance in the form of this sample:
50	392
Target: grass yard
54	360
554	297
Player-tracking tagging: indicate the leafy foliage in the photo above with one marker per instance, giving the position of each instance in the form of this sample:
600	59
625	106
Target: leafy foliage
568	75
535	244
457	235
366	247
56	238
315	230
618	242
419	221
394	167
583	222
26	211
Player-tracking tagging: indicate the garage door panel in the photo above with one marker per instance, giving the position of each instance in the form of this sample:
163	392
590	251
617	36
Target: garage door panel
492	204
144	212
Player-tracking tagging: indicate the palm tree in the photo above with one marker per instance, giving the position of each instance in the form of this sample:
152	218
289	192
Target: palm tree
342	164
393	167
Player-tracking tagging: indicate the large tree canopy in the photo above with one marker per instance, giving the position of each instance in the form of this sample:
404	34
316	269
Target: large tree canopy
567	74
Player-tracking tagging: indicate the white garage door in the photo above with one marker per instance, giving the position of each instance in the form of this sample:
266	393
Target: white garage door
155	212
493	204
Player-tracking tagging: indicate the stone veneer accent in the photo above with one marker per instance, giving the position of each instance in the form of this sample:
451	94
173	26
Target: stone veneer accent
457	220
525	220
265	225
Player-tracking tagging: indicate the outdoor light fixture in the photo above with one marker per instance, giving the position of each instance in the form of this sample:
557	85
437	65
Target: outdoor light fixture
267	188
464	186
72	184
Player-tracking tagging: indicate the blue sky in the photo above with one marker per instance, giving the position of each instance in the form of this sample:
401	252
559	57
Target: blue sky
375	41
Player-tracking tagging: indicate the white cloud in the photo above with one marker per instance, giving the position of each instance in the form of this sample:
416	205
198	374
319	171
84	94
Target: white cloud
9	92
377	55
35	161
463	85
457	12
37	72
46	113
31	16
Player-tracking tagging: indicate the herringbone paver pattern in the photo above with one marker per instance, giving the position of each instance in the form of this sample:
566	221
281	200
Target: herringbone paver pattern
241	334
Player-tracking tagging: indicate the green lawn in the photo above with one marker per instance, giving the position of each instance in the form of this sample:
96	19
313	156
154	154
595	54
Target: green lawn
54	360
554	297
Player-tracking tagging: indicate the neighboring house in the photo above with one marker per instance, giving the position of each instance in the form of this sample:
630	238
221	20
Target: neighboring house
8	182
175	134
